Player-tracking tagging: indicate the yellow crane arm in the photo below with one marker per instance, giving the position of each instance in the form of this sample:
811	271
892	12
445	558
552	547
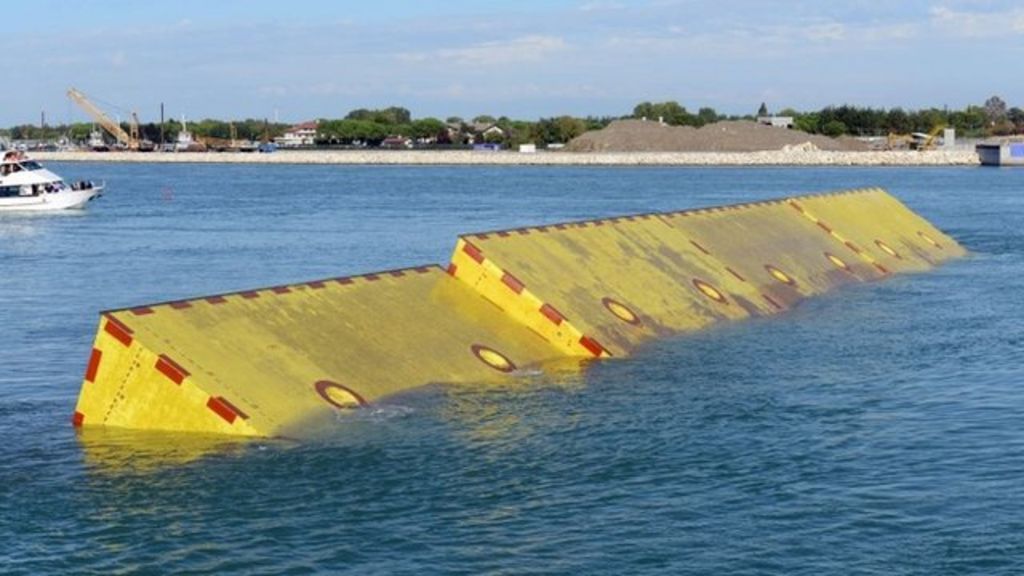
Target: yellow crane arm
102	119
934	135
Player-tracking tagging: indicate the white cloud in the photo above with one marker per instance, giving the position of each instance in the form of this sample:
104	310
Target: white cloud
520	91
978	24
517	50
889	32
828	31
763	41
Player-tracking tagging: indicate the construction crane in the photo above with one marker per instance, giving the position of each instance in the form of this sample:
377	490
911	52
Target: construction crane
916	141
129	140
930	140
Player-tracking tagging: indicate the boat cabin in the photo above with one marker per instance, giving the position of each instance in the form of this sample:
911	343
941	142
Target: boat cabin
25	185
22	176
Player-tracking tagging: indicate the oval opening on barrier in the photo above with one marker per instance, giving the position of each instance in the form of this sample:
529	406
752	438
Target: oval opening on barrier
780	275
621	311
929	240
493	358
838	262
888	249
710	291
339	396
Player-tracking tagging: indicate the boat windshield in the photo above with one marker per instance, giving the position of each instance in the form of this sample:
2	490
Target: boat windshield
31	165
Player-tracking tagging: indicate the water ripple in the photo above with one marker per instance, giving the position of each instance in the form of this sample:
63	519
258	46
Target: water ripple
874	431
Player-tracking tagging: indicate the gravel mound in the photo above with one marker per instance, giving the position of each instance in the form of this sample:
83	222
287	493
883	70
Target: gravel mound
730	136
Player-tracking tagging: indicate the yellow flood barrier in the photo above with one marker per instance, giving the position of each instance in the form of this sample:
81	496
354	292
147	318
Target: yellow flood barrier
275	361
281	360
601	287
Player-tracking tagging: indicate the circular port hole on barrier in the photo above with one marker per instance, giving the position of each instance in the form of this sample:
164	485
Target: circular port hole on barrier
888	249
621	311
838	262
339	396
493	358
710	291
929	240
780	275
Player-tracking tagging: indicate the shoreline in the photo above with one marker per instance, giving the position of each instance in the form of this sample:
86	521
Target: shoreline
959	157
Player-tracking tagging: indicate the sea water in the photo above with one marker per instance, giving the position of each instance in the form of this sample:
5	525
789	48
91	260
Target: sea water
876	430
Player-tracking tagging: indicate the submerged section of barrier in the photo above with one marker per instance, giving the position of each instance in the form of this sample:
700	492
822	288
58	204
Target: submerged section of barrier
281	360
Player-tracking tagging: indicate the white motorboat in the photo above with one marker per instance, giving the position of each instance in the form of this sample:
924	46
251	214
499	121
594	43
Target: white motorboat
26	186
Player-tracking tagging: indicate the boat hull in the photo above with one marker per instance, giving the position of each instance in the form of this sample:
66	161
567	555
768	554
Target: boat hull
63	200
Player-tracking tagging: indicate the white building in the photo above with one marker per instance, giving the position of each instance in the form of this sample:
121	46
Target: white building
299	135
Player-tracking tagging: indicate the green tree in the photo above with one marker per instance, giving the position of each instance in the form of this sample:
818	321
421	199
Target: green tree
970	122
1016	117
834	128
995	110
762	111
494	137
897	121
598	122
427	128
390	116
518	132
670	112
569	127
557	130
79	132
643	110
707	116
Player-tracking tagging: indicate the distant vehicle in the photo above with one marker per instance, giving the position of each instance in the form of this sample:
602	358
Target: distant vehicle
916	141
26	186
232	144
396	143
267	148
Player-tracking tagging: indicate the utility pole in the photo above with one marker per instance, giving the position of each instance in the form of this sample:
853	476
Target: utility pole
161	126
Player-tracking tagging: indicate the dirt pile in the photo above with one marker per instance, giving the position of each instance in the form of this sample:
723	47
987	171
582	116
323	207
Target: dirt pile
731	136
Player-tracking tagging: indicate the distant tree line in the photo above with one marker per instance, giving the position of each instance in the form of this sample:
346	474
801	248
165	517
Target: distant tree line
993	118
371	127
248	129
674	114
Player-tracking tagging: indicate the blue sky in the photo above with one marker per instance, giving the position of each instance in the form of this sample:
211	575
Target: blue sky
303	59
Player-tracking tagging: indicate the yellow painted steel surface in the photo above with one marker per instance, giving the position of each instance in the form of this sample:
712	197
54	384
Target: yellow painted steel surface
283	360
274	361
878	228
580	275
771	246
